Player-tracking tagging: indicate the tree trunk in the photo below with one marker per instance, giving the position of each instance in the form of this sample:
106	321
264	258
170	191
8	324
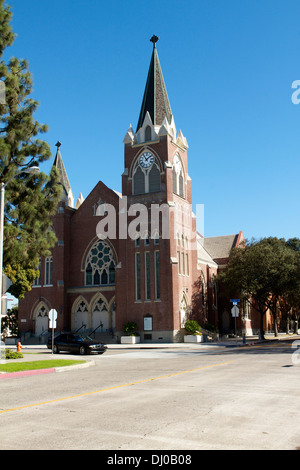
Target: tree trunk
287	324
262	333
275	326
273	308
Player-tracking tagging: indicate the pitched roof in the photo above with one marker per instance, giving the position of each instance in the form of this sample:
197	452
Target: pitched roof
202	254
155	99
220	247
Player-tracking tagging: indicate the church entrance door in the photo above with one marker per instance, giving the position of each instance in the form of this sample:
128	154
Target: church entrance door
100	319
41	321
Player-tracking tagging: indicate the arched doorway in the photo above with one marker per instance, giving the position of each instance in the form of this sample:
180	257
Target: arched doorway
80	315
41	316
100	316
225	322
184	310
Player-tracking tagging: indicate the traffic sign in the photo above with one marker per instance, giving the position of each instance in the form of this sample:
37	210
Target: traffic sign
52	324
235	311
52	318
6	283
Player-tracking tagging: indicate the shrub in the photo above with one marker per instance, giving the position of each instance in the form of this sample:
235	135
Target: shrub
192	327
129	328
9	354
210	327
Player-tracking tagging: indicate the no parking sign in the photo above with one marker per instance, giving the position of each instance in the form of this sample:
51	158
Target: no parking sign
52	318
52	322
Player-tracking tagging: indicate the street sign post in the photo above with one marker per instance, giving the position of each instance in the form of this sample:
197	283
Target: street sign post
52	323
235	313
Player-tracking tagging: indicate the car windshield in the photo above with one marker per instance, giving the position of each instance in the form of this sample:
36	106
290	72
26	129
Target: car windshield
82	338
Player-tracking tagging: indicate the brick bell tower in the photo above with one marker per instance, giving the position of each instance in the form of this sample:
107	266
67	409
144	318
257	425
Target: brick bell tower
158	262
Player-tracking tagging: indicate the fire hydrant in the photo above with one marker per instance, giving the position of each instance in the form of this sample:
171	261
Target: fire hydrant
19	347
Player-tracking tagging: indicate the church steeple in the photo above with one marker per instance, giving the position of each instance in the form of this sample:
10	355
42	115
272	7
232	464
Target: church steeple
155	100
58	163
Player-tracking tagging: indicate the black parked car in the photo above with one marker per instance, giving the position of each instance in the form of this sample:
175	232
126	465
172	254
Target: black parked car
75	343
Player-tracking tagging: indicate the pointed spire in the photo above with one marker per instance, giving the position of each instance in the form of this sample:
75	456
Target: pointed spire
63	177
79	201
155	100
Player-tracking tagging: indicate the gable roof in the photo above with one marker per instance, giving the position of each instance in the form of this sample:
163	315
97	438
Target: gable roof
220	247
203	257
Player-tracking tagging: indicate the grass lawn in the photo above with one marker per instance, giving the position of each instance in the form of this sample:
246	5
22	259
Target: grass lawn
34	365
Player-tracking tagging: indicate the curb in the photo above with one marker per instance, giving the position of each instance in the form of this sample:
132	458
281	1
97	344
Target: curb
27	373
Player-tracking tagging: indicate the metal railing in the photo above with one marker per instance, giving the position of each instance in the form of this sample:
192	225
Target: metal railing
94	331
82	326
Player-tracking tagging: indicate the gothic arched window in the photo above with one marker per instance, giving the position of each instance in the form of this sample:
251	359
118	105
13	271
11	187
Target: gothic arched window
100	265
154	179
139	181
178	177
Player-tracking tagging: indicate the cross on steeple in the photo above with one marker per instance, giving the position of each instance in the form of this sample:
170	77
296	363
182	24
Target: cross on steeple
154	39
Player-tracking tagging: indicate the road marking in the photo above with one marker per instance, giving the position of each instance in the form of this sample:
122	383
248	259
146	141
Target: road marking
56	400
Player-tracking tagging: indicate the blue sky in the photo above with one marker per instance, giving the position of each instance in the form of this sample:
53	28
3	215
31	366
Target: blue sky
228	65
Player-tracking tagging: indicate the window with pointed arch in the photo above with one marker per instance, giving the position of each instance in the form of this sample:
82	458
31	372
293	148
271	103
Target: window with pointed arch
49	271
100	265
178	177
146	174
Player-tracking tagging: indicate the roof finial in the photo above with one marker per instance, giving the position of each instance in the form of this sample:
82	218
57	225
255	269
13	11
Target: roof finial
154	39
58	144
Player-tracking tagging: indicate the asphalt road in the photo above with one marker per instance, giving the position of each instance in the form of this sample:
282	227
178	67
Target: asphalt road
159	399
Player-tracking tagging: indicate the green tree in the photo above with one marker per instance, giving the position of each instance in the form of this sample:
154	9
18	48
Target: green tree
291	299
6	34
21	277
30	200
262	272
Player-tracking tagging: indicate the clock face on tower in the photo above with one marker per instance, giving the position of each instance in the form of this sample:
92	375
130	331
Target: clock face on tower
146	159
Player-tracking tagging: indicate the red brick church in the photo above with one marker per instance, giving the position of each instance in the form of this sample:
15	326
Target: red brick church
135	256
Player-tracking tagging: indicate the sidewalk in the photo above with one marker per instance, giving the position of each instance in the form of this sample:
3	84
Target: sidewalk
38	352
224	342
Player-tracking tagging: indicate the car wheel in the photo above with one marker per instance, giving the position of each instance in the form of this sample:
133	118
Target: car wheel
55	349
82	350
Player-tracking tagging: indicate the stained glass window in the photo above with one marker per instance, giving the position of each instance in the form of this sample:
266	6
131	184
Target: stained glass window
100	265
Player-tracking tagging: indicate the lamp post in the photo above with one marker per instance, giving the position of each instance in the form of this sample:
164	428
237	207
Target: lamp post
32	171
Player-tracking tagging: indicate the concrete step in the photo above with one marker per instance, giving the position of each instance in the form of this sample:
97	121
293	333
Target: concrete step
105	338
